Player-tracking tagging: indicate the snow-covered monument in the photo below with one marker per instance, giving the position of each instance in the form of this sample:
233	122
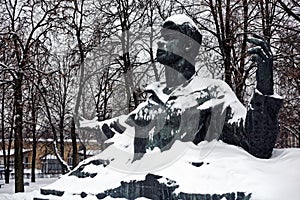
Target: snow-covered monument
191	139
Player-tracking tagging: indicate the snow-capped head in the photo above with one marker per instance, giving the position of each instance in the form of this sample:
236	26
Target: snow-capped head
180	19
183	24
181	42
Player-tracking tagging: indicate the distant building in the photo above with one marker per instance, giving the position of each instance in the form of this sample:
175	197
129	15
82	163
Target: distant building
26	156
50	165
46	160
27	153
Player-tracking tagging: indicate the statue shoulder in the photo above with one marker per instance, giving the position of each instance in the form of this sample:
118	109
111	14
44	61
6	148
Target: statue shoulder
198	83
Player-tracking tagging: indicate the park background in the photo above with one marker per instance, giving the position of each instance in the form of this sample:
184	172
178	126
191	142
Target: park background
61	61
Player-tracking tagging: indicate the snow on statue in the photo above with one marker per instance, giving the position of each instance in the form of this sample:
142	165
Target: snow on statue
153	151
190	108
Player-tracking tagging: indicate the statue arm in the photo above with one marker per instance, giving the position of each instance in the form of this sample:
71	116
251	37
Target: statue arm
262	55
261	125
259	133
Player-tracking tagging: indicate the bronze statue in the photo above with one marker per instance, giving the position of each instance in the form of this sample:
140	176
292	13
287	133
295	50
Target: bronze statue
189	108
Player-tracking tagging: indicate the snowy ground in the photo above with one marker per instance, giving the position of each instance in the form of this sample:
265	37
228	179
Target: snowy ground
225	168
33	190
7	190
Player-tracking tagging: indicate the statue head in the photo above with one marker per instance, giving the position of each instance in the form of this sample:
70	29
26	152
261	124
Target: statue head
179	48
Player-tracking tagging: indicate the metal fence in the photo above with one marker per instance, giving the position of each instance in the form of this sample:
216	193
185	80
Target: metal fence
288	140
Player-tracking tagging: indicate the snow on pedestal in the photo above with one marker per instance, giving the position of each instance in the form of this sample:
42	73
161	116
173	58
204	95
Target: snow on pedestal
208	168
185	170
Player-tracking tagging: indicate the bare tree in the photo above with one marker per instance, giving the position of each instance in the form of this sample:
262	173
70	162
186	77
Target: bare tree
26	23
287	61
7	117
126	18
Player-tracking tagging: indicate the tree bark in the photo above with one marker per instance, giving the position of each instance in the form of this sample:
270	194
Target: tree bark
33	161
55	139
227	40
289	11
7	167
240	74
34	139
74	144
3	128
61	141
18	144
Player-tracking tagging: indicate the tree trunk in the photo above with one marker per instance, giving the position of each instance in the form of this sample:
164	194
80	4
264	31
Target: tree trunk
7	167
266	19
3	127
18	145
223	35
227	66
33	163
55	139
34	140
61	142
152	54
241	74
74	144
227	40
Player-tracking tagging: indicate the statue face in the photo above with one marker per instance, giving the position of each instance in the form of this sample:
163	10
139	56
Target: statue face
178	51
172	48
